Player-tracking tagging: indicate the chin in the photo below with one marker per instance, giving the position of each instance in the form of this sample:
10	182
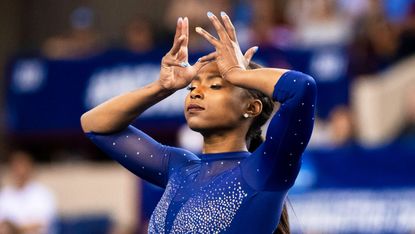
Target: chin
196	125
204	126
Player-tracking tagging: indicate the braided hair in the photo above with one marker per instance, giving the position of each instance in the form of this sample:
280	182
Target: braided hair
254	140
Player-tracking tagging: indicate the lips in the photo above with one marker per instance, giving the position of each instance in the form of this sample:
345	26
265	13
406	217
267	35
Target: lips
194	107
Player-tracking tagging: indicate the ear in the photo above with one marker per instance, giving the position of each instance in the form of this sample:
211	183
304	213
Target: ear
254	107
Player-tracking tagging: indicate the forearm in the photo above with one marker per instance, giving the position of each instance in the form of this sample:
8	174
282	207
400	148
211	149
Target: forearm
118	112
261	79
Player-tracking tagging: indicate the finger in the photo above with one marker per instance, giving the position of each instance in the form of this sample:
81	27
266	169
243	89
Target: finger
174	62
223	35
250	53
178	29
199	64
211	39
208	58
230	29
177	44
185	30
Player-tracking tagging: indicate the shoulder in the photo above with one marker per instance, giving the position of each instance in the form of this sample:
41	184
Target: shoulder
6	192
181	156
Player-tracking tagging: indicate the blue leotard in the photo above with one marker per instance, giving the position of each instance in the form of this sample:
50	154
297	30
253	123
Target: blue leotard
232	192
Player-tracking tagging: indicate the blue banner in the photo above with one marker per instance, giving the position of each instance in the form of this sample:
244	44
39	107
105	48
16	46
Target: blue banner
47	96
355	190
51	95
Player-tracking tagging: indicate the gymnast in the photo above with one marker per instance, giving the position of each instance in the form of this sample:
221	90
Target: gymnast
238	184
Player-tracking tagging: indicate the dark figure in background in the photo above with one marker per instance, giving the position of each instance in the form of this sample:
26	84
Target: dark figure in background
375	45
407	35
80	41
138	36
407	134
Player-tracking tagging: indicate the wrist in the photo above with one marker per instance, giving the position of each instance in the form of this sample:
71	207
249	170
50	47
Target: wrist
161	89
233	74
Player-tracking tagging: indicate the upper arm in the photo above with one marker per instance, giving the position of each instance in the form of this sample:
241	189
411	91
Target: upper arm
141	154
276	163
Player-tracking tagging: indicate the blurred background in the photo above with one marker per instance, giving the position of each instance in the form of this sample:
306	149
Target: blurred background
60	58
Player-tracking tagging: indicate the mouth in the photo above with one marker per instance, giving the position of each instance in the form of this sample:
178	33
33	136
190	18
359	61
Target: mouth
194	107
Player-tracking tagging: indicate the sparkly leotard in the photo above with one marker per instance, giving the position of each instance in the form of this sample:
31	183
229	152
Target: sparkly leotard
232	192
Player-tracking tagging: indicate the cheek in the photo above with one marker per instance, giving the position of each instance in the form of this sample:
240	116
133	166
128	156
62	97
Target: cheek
222	110
226	108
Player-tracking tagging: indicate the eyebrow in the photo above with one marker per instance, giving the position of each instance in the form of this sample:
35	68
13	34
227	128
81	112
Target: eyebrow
210	77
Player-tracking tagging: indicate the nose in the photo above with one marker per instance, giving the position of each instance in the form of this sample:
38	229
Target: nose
196	93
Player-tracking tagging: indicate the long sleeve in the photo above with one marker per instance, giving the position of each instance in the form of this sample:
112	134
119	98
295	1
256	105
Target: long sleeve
276	162
141	154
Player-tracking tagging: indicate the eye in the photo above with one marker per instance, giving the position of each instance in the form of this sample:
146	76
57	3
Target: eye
216	86
190	87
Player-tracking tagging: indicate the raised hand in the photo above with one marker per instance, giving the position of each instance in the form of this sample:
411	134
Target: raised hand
175	71
228	54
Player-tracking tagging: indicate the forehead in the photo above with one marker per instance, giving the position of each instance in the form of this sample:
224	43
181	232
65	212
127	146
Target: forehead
210	67
209	70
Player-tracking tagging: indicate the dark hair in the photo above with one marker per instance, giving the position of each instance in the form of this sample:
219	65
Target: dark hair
254	139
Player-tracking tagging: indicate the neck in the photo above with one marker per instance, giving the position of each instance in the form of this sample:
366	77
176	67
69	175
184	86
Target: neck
226	141
21	183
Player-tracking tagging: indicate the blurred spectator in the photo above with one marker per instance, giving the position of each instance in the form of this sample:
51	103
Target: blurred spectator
196	11
26	204
7	227
342	126
139	36
338	131
408	131
354	8
270	25
80	41
319	23
407	35
375	44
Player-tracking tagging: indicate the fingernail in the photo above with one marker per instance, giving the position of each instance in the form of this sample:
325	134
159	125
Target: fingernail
223	14
184	64
198	29
256	49
209	14
179	19
199	59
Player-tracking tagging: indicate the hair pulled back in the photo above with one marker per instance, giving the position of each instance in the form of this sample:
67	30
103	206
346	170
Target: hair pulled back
254	140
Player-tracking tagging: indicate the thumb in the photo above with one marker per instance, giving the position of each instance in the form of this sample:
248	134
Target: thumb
199	64
202	61
250	53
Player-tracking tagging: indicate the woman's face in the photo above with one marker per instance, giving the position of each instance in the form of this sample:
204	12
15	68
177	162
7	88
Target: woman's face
213	103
